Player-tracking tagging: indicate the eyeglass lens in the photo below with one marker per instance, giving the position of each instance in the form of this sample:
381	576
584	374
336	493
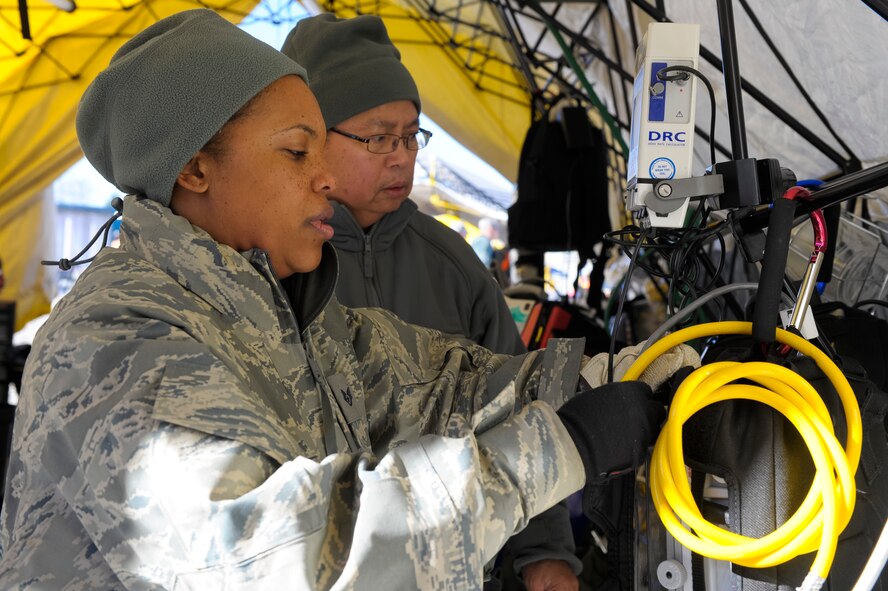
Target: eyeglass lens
388	142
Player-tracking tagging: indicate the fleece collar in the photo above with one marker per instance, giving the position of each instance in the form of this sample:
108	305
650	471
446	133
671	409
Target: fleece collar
349	236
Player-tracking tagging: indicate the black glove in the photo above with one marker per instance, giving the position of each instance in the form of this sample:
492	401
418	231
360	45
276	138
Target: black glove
612	426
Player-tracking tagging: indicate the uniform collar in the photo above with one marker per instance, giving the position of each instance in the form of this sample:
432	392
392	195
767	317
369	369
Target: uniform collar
239	284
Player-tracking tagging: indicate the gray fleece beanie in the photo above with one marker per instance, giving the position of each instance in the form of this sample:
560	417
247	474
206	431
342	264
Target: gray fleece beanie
166	93
352	65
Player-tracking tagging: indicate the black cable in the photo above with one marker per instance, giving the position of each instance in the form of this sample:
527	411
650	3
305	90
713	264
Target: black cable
683	278
716	281
679	255
104	230
702	211
705	259
623	295
663	242
882	303
699	265
689	70
670	254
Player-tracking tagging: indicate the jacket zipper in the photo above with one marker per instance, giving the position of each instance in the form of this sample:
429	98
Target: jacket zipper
375	300
368	257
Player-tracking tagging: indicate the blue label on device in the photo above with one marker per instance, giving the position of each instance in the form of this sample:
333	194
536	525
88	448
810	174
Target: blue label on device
657	90
662	168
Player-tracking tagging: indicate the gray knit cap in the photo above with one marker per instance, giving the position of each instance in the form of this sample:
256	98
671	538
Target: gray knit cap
166	93
352	65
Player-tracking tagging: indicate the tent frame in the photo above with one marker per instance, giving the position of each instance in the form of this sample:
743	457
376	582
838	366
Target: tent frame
549	75
734	82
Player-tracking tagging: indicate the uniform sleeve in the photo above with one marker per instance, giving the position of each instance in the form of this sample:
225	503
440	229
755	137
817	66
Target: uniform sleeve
548	535
175	507
412	373
183	509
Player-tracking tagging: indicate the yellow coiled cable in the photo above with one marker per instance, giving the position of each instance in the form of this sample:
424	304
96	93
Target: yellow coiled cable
828	506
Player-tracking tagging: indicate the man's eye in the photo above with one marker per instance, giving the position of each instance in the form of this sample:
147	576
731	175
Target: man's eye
378	139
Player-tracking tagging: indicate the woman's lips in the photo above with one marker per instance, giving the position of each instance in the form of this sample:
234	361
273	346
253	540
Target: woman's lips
325	229
319	222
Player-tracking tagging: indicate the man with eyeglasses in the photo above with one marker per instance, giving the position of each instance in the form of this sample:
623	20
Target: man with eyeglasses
390	255
393	256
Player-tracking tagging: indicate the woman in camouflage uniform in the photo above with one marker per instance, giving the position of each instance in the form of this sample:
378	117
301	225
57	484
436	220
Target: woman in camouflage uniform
187	422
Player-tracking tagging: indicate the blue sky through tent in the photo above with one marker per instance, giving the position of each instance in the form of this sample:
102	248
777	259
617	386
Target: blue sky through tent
81	185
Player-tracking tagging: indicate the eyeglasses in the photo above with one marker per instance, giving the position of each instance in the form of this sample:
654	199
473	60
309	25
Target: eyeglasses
386	143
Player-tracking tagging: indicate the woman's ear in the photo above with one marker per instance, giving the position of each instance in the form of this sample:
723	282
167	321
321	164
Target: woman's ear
194	177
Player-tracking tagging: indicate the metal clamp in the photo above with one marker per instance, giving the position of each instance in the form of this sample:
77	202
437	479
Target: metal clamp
668	195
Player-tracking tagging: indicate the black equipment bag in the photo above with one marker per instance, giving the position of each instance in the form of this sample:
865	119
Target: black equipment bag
613	515
858	335
612	507
768	470
562	199
562	186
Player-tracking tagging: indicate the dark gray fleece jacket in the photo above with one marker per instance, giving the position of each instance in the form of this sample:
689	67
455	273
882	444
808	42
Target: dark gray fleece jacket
418	268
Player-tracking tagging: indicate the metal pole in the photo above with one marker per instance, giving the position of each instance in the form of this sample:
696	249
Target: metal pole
880	7
731	70
517	55
23	16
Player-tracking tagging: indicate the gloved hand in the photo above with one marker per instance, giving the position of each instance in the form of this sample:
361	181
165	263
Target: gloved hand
594	370
612	426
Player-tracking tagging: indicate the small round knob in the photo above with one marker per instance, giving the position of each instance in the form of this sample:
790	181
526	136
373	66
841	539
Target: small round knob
671	574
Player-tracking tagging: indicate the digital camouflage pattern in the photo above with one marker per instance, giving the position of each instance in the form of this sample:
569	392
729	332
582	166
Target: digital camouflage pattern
177	430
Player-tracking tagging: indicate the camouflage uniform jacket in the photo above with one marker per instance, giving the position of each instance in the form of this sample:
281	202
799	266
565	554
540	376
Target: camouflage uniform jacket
424	272
177	429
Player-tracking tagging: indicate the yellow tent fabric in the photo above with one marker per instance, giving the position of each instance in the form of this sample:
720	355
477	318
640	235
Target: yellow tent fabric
467	82
41	81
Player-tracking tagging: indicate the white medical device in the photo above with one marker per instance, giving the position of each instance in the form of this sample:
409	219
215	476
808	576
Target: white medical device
662	131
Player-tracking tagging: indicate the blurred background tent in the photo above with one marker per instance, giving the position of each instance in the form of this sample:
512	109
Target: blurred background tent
814	83
46	62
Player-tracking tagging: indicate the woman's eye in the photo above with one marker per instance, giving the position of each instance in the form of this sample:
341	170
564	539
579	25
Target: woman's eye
298	154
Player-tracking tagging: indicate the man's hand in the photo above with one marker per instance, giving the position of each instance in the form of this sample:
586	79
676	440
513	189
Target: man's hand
594	370
549	575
